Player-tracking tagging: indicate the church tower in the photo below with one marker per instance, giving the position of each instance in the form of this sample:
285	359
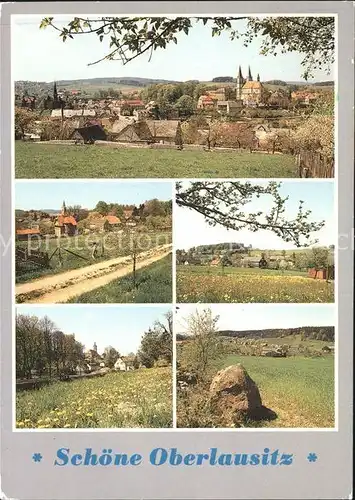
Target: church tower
94	347
240	82
250	78
258	78
64	209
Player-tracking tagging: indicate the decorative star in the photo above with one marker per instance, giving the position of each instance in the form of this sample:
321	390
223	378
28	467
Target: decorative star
312	457
37	457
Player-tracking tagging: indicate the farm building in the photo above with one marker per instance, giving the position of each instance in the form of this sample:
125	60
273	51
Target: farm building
90	133
25	234
106	223
322	274
145	131
250	262
113	220
229	107
133	132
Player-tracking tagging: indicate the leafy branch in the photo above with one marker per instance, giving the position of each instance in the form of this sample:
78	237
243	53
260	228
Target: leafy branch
130	38
223	204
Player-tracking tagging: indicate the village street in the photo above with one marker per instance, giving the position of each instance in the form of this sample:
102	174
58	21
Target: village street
62	287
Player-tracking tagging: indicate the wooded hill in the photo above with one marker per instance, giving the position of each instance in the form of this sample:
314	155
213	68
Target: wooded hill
325	333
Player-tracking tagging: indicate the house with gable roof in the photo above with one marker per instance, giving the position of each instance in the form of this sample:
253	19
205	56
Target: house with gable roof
65	224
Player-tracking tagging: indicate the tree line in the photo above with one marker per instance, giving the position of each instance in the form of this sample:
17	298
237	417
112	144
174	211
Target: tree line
316	257
42	347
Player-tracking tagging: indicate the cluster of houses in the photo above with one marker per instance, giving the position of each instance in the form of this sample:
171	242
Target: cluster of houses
261	348
272	262
246	261
132	121
64	223
249	92
93	362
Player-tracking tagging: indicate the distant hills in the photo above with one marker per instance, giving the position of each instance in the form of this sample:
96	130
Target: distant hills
135	81
19	212
325	333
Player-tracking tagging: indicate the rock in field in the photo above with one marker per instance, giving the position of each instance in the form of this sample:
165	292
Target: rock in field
233	391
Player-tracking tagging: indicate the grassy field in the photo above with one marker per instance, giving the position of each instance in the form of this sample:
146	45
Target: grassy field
214	285
300	390
65	161
115	245
141	398
154	285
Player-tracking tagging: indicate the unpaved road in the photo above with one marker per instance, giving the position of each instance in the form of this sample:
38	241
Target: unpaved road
64	286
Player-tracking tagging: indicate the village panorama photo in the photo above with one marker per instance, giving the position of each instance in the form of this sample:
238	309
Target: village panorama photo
152	97
94	368
255	241
91	242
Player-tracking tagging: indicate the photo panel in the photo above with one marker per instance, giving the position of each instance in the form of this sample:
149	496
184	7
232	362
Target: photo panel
177	116
86	367
93	242
256	366
255	241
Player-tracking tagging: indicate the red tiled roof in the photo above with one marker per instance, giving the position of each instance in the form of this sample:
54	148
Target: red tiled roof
66	219
28	231
112	219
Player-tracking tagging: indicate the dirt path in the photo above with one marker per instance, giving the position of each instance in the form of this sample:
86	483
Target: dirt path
64	286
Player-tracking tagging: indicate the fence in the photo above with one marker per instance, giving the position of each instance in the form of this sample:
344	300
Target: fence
27	261
316	165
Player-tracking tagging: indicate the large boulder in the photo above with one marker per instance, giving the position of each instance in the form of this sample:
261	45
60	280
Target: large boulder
232	391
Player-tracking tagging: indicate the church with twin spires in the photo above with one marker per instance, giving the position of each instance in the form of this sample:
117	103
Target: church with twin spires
247	92
250	92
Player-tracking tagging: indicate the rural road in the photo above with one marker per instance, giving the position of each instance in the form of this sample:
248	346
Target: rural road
64	286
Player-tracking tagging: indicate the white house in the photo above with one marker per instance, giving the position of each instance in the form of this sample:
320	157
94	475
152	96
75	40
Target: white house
124	365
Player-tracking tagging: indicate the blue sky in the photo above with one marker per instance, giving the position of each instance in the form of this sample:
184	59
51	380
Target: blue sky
50	195
120	327
196	56
261	316
317	196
